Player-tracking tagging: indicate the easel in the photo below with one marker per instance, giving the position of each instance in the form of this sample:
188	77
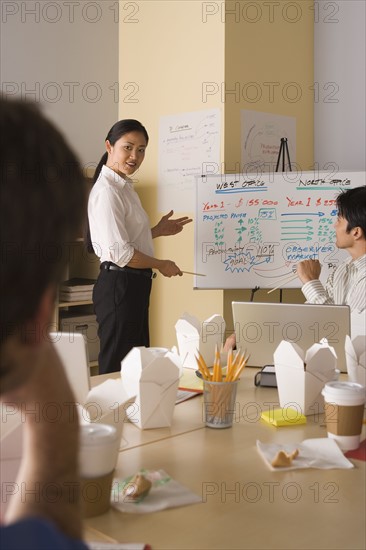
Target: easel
254	290
283	152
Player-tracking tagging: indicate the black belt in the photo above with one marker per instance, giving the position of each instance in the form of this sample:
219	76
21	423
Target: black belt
109	266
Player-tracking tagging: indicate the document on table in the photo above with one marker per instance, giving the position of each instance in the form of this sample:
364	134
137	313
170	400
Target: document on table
183	395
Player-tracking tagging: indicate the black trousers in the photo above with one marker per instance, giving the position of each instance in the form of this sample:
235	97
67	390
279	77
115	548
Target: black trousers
121	304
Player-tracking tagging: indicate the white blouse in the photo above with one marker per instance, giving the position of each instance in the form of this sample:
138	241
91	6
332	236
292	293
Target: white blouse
118	223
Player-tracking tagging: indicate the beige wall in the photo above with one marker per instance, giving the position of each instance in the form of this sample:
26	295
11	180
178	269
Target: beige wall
53	53
167	54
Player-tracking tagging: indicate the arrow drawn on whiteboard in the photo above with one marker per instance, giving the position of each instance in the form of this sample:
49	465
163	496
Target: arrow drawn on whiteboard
299	233
308	220
297	226
295	239
304	214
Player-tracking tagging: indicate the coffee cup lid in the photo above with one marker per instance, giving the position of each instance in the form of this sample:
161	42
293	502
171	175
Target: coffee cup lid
343	389
97	434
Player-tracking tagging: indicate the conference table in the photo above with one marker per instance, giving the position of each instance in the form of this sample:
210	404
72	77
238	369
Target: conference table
244	505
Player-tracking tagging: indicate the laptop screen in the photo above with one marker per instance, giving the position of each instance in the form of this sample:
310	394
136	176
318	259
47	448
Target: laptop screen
260	327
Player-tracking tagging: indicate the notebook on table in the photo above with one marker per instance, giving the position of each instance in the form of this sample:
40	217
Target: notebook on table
260	327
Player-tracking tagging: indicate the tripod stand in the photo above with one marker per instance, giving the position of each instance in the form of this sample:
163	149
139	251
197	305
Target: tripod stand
283	152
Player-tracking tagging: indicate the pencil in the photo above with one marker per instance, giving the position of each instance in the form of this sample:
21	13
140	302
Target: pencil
285	281
204	366
200	368
240	369
229	364
217	372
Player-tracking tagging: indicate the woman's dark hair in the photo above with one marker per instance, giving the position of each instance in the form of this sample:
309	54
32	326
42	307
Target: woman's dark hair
118	130
351	206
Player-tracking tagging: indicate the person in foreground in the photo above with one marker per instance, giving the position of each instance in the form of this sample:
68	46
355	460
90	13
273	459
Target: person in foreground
42	199
347	284
120	234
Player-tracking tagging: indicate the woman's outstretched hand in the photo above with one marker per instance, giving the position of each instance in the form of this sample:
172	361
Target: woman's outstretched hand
167	227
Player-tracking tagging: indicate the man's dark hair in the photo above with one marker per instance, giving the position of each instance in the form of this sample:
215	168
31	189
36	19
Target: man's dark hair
351	206
43	201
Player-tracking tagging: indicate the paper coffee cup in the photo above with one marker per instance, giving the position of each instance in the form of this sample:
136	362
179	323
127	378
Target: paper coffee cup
344	407
98	454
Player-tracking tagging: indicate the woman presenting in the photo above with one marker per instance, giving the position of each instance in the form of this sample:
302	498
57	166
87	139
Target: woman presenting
120	234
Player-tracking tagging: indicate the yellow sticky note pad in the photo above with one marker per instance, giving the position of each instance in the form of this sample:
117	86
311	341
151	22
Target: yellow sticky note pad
283	417
190	381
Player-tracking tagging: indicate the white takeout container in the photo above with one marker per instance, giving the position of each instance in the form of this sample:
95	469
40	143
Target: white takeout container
301	375
356	359
152	375
194	336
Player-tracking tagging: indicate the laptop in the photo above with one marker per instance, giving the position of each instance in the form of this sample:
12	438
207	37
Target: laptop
260	327
73	351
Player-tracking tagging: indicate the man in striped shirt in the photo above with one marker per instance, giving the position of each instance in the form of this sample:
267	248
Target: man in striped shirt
347	284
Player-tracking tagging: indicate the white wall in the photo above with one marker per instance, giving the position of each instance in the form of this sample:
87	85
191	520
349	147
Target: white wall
339	59
65	56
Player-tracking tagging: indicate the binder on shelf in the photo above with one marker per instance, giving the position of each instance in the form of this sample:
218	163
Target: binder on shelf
86	296
77	289
77	284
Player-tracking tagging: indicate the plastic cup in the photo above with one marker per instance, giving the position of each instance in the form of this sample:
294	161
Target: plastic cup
219	403
98	453
344	406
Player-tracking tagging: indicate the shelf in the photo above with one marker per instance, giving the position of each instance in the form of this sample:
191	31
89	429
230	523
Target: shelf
80	265
71	304
93	367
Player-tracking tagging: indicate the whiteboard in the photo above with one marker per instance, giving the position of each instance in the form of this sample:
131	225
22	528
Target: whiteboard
252	231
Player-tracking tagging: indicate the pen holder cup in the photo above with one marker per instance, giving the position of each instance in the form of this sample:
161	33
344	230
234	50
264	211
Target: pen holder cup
219	403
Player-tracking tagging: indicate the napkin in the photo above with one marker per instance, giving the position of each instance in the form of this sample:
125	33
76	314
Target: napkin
322	453
164	493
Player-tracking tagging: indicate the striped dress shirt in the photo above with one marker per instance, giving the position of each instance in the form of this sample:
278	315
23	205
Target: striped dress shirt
345	286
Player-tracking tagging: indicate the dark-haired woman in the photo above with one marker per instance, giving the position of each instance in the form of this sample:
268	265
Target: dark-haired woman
121	236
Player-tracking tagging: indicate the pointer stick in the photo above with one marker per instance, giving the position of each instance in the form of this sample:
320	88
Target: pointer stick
283	283
197	274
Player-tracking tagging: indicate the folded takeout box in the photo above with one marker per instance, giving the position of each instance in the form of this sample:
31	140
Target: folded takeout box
152	375
356	358
193	336
301	375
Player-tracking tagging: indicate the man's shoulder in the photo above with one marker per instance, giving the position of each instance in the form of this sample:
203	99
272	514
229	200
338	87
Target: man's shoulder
36	534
